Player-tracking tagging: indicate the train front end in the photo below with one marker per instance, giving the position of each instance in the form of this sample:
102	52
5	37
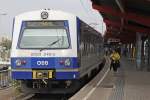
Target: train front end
44	50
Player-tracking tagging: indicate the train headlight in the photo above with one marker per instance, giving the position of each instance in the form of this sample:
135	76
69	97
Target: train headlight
67	62
18	62
44	15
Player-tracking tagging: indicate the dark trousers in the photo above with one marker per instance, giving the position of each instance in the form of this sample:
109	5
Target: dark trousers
115	65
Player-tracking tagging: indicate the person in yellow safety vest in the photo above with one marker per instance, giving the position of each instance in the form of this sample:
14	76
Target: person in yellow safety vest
115	60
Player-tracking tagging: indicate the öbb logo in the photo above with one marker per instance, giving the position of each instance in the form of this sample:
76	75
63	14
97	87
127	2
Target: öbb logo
43	63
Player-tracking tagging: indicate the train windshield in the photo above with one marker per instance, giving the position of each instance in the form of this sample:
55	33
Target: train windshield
44	35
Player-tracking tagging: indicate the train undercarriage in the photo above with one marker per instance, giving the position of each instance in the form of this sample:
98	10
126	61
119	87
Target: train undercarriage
50	86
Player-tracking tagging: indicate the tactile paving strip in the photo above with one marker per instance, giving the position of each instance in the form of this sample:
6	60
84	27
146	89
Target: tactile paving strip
118	92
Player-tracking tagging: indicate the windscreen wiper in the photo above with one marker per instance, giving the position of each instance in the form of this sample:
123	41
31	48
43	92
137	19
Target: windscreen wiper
51	44
54	42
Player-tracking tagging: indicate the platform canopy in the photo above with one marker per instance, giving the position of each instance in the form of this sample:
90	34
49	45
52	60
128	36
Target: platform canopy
124	18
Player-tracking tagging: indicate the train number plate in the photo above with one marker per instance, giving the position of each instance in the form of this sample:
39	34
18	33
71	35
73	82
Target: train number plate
42	74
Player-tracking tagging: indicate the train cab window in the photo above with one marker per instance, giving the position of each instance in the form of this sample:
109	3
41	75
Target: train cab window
48	36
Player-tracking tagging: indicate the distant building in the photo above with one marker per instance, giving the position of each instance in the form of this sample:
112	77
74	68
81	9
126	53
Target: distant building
3	38
4	53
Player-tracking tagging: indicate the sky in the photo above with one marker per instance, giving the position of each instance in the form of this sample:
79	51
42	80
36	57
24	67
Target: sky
81	8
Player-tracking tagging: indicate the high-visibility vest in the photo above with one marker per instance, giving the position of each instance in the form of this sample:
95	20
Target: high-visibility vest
115	56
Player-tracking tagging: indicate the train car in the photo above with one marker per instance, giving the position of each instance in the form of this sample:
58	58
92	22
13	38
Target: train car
54	51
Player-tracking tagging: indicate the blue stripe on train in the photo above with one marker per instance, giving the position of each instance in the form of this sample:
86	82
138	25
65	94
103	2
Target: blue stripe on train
67	75
21	75
58	75
53	62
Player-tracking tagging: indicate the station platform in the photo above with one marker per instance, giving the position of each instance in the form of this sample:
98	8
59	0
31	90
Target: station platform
127	84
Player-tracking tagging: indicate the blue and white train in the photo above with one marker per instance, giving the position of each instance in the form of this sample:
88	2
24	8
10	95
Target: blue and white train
54	51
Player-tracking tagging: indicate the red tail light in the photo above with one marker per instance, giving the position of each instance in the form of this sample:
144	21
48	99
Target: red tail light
23	62
61	62
20	62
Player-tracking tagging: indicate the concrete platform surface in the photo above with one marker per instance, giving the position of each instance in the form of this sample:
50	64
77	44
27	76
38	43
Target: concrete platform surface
127	84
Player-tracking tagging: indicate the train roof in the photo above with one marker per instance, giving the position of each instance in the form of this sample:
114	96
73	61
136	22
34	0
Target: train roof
62	13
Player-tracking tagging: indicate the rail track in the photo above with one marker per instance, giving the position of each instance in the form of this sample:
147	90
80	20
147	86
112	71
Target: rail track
44	97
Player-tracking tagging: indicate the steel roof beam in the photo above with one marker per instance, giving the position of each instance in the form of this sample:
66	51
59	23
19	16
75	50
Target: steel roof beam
121	33
143	20
122	38
120	5
128	27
